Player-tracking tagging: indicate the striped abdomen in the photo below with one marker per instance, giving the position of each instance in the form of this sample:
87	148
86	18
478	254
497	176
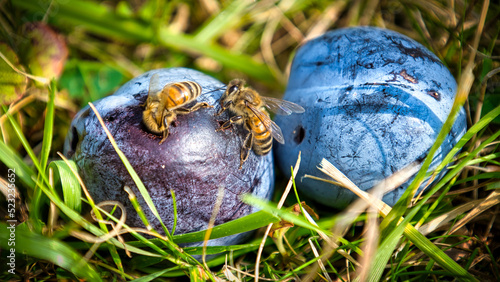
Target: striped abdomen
262	138
180	93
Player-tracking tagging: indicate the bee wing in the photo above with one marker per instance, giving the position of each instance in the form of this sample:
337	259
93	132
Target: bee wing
269	124
281	107
154	84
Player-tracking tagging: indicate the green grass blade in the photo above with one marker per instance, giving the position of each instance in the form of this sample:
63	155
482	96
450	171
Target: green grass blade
247	223
71	190
213	250
174	205
390	242
13	161
34	214
48	129
25	143
155	275
222	21
283	214
37	246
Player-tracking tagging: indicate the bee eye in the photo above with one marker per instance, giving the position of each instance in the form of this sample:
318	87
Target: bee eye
233	89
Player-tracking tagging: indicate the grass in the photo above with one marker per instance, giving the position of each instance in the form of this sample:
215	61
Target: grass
449	232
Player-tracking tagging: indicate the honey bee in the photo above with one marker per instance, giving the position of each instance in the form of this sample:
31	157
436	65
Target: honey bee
165	103
246	105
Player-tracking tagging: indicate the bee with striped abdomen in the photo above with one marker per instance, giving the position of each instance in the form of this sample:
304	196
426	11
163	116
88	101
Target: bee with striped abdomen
246	106
165	103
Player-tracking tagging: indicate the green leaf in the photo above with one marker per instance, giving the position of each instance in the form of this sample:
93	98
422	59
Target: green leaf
35	245
71	190
12	84
12	161
213	250
247	223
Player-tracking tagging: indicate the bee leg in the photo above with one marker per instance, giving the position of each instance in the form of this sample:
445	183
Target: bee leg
223	108
227	124
245	149
200	105
169	117
182	111
165	135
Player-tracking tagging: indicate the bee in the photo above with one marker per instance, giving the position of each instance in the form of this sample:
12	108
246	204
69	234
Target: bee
165	103
246	105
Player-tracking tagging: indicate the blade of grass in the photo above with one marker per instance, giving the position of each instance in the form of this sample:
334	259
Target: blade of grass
283	214
48	130
247	223
11	160
154	275
222	21
50	249
71	190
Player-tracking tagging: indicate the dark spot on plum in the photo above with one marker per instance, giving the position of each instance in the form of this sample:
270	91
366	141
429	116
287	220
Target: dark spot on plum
434	94
299	134
73	141
138	83
137	96
414	52
256	182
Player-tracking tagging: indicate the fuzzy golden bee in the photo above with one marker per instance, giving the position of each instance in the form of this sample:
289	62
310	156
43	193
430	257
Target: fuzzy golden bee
165	103
247	105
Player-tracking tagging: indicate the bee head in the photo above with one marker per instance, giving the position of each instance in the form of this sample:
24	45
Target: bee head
234	87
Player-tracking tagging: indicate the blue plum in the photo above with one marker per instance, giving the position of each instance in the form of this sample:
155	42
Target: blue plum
375	101
194	160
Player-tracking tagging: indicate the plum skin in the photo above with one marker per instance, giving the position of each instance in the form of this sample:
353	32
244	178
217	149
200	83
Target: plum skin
375	101
194	160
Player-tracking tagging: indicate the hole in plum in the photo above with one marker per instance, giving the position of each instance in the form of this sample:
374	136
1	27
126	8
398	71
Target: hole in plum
299	134
74	139
434	94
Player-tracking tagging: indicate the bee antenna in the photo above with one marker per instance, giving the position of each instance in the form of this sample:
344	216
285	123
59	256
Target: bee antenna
217	89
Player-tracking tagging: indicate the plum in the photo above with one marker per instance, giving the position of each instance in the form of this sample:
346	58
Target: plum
194	160
375	101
